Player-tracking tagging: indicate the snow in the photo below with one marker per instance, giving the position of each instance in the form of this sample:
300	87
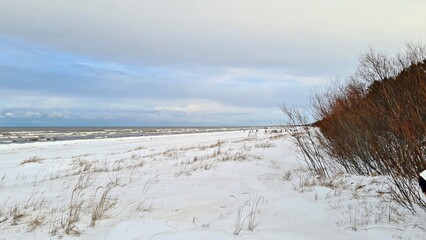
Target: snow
222	185
423	174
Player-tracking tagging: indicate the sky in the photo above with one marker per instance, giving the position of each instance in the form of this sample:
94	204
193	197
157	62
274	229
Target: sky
185	62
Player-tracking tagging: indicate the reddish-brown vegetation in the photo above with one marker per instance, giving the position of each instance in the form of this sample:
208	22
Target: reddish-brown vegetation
375	124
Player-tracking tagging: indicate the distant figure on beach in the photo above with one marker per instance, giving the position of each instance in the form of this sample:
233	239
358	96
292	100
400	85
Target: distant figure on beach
422	181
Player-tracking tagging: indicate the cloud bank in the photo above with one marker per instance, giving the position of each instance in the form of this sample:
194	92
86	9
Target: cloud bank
184	62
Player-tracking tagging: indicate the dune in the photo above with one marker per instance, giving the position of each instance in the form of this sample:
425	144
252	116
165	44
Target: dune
220	185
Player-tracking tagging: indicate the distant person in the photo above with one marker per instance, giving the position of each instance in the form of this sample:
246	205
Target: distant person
422	181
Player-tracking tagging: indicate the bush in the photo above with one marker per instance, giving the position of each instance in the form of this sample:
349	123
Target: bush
375	123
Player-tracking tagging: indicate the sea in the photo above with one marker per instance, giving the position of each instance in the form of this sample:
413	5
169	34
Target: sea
10	135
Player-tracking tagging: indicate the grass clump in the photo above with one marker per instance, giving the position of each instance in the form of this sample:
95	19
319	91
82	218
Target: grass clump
34	159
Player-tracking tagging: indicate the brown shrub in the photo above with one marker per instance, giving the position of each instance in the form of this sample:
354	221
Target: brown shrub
376	122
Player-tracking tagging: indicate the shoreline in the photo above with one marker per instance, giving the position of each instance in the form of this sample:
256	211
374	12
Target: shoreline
31	136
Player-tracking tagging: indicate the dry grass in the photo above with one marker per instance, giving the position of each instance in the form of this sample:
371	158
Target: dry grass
362	202
266	144
35	222
252	206
205	147
17	214
76	206
88	188
247	139
34	159
105	203
287	176
240	156
254	210
147	203
2	180
137	149
277	136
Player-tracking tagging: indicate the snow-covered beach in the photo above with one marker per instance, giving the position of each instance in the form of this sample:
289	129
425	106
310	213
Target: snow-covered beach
220	185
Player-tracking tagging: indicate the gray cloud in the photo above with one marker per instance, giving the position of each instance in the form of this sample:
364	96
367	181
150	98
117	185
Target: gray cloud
184	61
309	35
161	116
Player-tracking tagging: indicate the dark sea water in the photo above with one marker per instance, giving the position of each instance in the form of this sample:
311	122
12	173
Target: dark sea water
43	134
